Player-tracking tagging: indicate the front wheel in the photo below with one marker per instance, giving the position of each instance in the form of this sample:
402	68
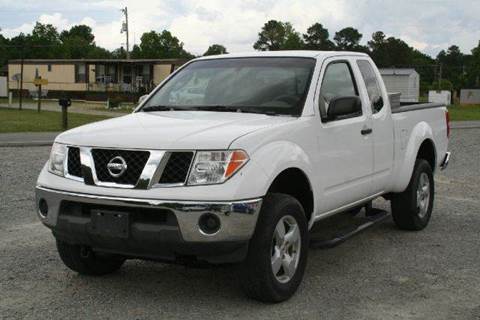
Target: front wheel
412	209
278	250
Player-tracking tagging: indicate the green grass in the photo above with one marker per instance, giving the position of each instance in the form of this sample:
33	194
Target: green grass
464	112
12	120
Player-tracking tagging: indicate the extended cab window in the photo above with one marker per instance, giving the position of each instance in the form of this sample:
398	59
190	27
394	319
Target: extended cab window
337	82
372	85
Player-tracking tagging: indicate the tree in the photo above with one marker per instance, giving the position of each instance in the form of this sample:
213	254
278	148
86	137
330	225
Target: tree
82	31
473	73
215	49
3	50
348	39
45	33
162	45
453	63
293	41
44	42
393	52
317	38
277	35
390	52
136	52
99	53
79	42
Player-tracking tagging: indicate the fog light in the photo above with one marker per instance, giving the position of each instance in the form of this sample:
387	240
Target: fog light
43	208
209	223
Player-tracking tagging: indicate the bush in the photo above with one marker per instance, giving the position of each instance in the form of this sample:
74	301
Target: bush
114	102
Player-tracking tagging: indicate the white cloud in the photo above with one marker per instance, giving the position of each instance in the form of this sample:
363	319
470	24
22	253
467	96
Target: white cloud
427	25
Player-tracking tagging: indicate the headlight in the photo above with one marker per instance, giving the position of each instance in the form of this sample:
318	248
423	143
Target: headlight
211	167
58	154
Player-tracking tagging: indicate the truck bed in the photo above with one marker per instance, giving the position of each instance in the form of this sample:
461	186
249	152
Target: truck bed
412	106
412	122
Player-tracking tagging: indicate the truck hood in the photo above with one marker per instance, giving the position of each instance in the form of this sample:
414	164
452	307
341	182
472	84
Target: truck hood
170	130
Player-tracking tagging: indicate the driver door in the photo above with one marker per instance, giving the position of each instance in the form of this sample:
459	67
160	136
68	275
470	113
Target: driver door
345	145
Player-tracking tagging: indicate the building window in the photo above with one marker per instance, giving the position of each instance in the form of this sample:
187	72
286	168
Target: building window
80	73
49	68
127	74
106	73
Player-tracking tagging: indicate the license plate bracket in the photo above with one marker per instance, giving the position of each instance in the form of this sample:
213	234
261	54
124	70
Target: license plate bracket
115	224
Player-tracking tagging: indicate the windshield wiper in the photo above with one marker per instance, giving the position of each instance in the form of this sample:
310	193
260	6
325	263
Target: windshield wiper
163	108
219	108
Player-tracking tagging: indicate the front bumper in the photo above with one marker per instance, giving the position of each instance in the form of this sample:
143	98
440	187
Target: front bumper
69	217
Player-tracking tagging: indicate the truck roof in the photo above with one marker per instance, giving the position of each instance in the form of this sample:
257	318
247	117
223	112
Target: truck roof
286	53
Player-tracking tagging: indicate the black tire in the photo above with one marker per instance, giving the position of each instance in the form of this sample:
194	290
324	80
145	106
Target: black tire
258	279
89	263
405	210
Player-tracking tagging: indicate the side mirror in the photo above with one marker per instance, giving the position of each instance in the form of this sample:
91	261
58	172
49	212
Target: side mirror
344	107
142	98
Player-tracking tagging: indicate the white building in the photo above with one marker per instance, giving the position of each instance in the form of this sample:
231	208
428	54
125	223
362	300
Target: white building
405	81
443	96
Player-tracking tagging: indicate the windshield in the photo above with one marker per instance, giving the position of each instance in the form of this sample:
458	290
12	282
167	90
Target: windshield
262	85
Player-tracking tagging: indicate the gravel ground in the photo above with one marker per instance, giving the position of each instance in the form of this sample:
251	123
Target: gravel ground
382	273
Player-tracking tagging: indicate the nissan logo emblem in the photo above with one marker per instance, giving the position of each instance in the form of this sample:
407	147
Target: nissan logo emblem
117	166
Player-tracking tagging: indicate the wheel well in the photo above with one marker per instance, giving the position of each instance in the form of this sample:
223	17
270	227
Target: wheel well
427	152
294	182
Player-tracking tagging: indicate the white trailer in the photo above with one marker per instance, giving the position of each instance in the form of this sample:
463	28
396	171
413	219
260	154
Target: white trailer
405	81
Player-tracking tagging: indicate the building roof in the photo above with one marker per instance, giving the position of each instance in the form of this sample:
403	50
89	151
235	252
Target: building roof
70	61
397	71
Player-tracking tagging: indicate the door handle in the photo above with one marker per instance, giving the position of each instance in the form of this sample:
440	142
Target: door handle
366	131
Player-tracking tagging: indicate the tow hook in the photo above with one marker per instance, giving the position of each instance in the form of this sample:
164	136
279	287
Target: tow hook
85	252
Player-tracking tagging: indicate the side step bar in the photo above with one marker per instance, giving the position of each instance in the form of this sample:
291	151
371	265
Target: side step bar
375	216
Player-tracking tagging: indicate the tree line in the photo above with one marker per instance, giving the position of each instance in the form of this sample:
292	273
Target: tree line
455	69
450	70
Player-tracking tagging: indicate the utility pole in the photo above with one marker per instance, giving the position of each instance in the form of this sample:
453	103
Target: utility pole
125	29
20	98
440	77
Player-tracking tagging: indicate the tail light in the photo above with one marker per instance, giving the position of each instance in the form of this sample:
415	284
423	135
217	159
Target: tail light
447	119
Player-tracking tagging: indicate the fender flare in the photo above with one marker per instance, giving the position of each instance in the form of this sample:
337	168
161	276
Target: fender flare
420	133
278	156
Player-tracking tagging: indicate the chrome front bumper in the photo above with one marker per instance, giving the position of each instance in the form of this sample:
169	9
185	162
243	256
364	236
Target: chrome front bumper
238	218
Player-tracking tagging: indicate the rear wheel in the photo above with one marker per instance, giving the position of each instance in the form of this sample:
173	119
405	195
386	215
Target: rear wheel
412	209
278	250
87	262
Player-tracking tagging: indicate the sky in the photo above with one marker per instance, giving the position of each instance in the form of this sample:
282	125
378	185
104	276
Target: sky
428	25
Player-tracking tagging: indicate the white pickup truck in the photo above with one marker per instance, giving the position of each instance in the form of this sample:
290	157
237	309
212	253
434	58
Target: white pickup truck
233	158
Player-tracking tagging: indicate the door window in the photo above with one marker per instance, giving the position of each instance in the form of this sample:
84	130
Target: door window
338	81
372	85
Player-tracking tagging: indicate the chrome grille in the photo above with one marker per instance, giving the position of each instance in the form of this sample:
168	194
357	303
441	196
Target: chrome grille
135	161
145	168
73	165
177	167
